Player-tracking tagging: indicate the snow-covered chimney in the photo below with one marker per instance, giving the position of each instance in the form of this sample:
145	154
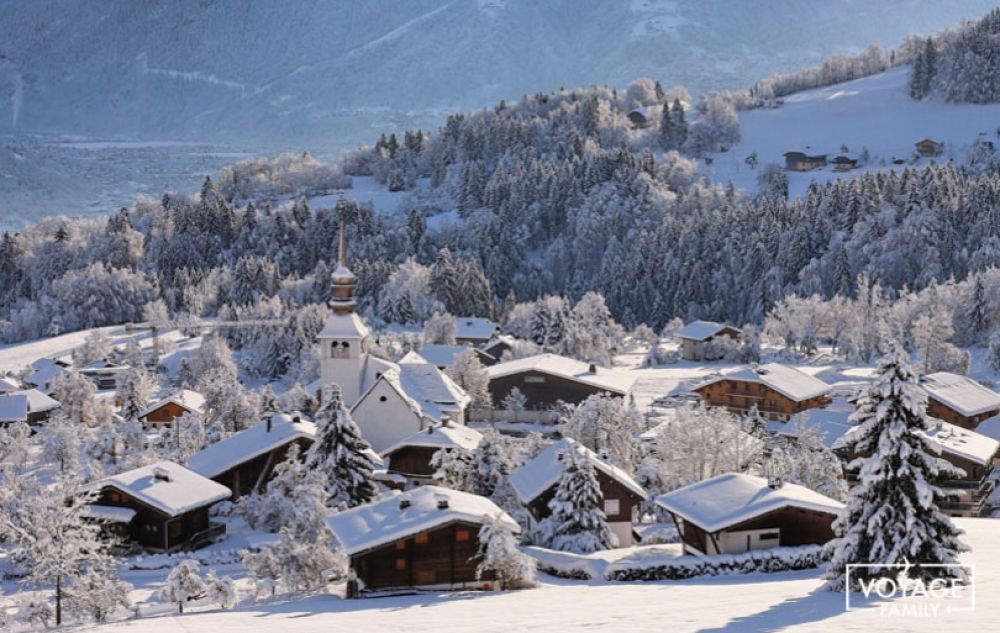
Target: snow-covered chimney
593	368
442	502
775	482
161	474
404	503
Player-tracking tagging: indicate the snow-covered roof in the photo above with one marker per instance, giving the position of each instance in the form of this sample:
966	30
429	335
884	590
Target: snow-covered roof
831	422
348	325
383	521
439	354
538	475
38	402
102	366
960	393
43	376
412	357
13	408
499	339
215	459
185	398
732	498
603	378
474	328
788	381
440	436
948	438
9	384
112	514
702	330
167	487
427	390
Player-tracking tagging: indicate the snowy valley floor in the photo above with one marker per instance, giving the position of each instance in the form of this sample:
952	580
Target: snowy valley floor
780	602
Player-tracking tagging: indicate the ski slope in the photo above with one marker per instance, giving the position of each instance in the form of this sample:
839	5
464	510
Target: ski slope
874	112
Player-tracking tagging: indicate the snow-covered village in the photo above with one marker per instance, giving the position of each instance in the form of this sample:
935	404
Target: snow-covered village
624	316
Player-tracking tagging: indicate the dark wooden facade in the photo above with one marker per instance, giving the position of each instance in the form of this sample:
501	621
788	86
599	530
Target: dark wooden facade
495	351
251	475
742	395
163	416
543	391
152	529
443	556
928	147
611	489
800	161
796	526
412	462
938	409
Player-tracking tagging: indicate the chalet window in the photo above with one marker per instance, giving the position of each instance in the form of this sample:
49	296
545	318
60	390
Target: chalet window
612	506
400	564
461	536
534	379
426	577
421	538
400	545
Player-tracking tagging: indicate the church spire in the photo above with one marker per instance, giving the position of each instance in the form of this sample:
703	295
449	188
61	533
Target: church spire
343	279
342	251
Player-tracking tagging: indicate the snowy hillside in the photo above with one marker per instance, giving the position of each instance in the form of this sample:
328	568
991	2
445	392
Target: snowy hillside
874	113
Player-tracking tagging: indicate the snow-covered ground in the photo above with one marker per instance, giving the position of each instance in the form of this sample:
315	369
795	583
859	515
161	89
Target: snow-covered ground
874	112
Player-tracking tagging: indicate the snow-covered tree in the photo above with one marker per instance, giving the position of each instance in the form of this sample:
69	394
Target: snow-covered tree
61	442
993	357
577	522
500	557
183	584
221	591
802	458
491	464
134	389
77	398
274	507
96	347
341	454
453	467
297	563
97	594
892	515
440	328
15	444
606	425
468	373
514	402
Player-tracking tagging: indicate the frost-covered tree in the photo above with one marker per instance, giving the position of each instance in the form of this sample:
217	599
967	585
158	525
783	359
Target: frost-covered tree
61	442
273	507
993	357
15	444
500	557
892	515
577	522
440	328
492	463
801	457
453	467
221	591
515	401
468	373
96	347
183	584
77	399
96	594
341	454
606	425
134	389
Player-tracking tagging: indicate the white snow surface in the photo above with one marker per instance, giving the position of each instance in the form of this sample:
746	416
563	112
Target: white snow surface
383	521
440	436
948	438
37	401
13	408
474	327
701	330
786	380
183	491
113	514
439	354
430	389
541	473
348	325
960	393
8	385
717	503
613	380
238	448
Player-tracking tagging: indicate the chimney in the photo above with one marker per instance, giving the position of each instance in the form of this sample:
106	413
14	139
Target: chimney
430	430
270	422
161	474
593	368
297	418
442	502
404	503
775	482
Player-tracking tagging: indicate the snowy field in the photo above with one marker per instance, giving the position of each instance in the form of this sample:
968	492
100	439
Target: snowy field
789	601
874	112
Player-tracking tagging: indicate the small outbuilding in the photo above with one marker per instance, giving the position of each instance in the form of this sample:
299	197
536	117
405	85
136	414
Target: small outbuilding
734	513
411	458
426	538
844	162
697	336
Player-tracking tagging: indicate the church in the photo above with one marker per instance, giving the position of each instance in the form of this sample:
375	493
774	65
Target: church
388	401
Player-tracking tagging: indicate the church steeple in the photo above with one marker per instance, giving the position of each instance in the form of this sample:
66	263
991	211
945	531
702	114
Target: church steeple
343	279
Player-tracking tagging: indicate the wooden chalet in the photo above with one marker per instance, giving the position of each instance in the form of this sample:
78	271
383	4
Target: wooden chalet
929	147
410	459
161	414
496	346
245	461
844	162
800	161
427	538
162	507
777	391
959	399
104	374
535	484
547	379
695	337
734	513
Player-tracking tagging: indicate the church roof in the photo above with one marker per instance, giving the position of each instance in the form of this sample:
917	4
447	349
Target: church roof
348	325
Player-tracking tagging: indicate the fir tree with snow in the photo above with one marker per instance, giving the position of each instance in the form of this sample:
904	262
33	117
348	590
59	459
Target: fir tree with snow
893	515
453	467
500	557
134	388
577	522
606	425
341	454
183	584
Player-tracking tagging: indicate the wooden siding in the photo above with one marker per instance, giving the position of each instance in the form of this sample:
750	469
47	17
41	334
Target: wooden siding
412	461
741	396
797	527
243	478
940	410
163	416
543	391
151	528
628	501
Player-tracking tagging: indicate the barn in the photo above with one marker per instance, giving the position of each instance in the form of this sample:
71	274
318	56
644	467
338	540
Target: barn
734	513
426	538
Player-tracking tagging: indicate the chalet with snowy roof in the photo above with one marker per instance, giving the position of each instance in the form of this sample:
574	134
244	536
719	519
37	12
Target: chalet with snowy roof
696	337
443	356
162	507
245	461
547	379
389	401
800	161
496	347
474	330
778	391
535	484
974	453
411	458
161	414
959	399
104	374
929	147
639	118
427	538
45	371
844	162
734	513
40	405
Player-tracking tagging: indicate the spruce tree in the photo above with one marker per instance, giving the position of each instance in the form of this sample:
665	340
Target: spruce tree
341	454
577	523
892	516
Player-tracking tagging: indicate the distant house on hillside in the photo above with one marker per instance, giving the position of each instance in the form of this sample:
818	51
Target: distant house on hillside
639	118
734	513
103	373
162	413
778	391
844	162
959	400
27	405
474	330
13	408
800	161
696	336
535	484
427	537
497	345
929	147
411	458
162	507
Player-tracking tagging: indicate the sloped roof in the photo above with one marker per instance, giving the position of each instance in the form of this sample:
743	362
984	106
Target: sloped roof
831	422
441	355
607	379
181	491
948	438
13	408
541	473
381	522
732	498
38	402
348	325
215	459
440	436
8	385
427	389
960	393
44	375
474	327
185	398
702	330
788	381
